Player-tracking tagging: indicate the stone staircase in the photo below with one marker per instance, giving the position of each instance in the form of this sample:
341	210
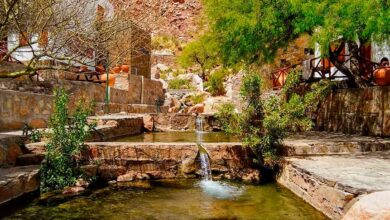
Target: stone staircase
19	163
18	168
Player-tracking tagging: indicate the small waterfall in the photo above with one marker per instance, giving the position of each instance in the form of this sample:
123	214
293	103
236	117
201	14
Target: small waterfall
205	166
212	188
199	123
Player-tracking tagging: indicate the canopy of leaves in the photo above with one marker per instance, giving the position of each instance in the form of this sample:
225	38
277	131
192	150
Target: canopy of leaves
202	53
253	30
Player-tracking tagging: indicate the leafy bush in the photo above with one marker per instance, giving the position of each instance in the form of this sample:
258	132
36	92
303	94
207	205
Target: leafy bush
197	98
36	136
229	118
215	83
179	84
264	124
67	136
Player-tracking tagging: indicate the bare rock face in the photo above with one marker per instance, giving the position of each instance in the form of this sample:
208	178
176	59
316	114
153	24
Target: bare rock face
373	206
126	162
73	190
17	181
148	122
174	106
198	108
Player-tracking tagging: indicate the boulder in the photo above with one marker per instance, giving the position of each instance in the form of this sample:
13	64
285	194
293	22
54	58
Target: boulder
251	176
164	83
112	123
162	67
373	206
128	177
174	105
188	165
148	122
73	190
198	108
82	183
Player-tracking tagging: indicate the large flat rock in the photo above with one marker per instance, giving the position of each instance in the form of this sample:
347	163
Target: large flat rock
322	143
332	184
16	181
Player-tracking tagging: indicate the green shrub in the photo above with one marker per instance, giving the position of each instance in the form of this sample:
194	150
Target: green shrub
263	124
215	83
197	98
36	136
179	84
229	118
68	131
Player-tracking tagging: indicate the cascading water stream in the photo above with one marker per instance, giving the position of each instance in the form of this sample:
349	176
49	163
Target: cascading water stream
212	188
205	166
203	156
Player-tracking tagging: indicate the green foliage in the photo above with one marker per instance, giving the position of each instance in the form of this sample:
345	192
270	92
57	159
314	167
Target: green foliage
36	136
229	118
197	98
164	42
253	30
215	83
201	53
68	131
179	84
264	123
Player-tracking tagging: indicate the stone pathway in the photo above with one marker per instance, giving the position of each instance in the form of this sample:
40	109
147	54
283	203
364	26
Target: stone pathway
332	171
324	143
355	173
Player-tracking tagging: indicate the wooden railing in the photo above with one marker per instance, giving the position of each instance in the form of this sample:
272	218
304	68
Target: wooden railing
320	68
279	77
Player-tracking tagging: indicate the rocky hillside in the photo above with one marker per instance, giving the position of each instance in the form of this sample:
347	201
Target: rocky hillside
175	18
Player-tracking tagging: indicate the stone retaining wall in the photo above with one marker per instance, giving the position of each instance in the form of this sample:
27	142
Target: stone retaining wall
363	111
17	108
182	122
326	196
131	161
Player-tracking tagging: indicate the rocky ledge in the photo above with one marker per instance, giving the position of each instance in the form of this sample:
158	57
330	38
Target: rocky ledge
332	184
16	181
134	161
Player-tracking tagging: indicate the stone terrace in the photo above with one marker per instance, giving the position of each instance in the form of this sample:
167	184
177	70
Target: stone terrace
323	143
332	171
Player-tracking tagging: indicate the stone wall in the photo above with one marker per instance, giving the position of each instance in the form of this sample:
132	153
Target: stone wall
363	111
17	108
326	196
182	122
131	161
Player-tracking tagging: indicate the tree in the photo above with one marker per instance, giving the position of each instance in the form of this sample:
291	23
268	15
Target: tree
253	30
75	30
202	52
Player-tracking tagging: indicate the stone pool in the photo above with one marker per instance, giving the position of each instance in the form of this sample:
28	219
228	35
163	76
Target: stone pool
180	137
176	199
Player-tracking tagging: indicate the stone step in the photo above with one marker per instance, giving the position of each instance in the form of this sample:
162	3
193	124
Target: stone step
17	181
29	159
324	143
333	183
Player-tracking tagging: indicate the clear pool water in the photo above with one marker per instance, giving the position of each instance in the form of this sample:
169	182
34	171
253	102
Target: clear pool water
207	137
178	199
